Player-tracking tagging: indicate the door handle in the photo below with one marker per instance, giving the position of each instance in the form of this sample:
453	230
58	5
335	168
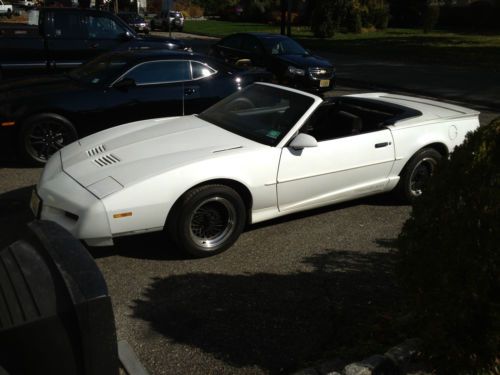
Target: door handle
189	91
94	45
382	144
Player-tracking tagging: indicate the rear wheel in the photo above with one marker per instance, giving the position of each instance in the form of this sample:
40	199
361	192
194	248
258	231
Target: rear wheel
417	173
43	135
207	220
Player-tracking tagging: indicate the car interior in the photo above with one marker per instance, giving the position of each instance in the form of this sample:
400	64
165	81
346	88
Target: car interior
344	117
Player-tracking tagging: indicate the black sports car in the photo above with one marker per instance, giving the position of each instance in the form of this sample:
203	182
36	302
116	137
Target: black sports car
289	62
44	114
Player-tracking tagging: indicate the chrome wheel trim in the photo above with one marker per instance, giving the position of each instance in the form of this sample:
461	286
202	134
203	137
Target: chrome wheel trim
421	174
212	222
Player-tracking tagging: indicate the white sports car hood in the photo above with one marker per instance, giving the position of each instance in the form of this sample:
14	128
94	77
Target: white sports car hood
135	151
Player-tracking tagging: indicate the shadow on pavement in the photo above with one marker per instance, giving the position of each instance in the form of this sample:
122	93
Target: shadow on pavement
279	322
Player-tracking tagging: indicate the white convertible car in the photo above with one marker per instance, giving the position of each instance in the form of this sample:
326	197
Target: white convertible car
263	152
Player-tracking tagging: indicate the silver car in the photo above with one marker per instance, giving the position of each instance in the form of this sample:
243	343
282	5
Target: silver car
173	18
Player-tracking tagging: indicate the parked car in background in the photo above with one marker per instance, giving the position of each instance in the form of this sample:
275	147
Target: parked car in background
66	37
264	152
41	115
135	21
162	21
291	64
24	4
5	9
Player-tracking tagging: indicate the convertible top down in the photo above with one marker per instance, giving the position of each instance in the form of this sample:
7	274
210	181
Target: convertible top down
263	152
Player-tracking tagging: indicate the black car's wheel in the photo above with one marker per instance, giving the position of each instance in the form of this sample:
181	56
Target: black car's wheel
153	25
44	134
416	174
207	220
164	26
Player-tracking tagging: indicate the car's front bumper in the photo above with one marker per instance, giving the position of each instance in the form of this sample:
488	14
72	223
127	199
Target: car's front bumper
72	206
307	83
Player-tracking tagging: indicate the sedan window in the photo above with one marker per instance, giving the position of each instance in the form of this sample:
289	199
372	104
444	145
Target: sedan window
200	70
232	41
283	46
252	45
160	72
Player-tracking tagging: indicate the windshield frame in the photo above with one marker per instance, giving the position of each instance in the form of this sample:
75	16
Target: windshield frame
303	105
78	75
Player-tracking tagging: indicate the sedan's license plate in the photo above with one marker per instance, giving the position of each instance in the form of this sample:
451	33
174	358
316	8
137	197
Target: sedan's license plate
324	83
35	203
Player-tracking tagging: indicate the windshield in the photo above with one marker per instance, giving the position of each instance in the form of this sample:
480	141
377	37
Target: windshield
283	46
101	71
262	113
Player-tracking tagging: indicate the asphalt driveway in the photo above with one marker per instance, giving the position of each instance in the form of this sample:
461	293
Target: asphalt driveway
291	292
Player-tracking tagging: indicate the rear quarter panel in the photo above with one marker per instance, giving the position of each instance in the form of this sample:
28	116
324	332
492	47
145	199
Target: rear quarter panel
410	139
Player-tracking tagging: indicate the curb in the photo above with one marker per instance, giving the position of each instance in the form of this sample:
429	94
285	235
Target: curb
395	361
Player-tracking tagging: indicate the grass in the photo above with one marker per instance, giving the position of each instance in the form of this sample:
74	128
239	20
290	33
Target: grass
406	45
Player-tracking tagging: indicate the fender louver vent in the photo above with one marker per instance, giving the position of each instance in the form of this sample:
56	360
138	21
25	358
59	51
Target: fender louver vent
96	150
106	160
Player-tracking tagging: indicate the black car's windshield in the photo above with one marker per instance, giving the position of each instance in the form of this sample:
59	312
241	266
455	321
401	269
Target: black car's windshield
283	46
262	113
101	71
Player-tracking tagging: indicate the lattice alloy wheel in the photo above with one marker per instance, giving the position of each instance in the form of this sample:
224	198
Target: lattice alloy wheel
45	134
207	220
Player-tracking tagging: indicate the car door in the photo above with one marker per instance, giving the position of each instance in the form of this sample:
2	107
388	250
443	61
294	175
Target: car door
66	36
337	169
206	87
158	90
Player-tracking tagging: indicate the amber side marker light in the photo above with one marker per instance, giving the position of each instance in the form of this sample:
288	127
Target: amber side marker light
8	123
122	214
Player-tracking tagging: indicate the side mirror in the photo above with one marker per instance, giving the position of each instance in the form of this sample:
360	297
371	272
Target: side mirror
126	36
303	140
125	84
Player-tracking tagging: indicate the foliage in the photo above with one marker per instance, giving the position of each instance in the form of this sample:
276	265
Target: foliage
449	257
431	17
322	23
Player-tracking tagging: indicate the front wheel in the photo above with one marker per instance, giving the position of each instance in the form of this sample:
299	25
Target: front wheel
207	220
43	135
417	173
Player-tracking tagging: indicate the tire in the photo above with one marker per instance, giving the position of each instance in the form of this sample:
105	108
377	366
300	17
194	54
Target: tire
164	26
153	25
207	220
44	134
9	13
416	174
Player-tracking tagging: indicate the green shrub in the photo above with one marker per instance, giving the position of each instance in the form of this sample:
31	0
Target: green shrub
449	258
352	21
431	18
322	22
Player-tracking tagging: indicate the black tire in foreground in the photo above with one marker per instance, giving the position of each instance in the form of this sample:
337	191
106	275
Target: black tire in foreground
416	174
207	220
44	134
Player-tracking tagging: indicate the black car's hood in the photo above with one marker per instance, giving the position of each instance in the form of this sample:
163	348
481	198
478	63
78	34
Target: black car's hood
305	61
39	86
